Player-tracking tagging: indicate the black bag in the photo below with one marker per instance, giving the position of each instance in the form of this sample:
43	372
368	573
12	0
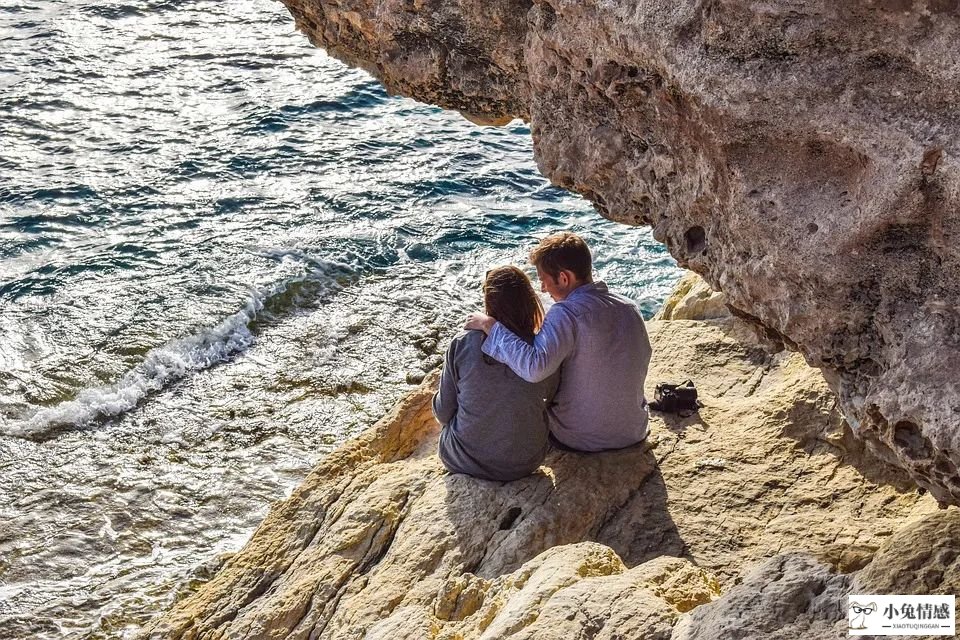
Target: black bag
676	398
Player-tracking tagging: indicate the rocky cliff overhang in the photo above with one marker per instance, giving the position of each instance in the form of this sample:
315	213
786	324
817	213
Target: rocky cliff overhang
800	156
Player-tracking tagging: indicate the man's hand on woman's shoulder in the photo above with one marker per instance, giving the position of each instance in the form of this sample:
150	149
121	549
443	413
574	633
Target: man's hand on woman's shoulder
480	322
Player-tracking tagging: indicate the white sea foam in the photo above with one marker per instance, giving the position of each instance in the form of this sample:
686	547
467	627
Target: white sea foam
165	364
160	367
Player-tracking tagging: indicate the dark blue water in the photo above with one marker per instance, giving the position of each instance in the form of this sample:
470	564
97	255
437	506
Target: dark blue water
221	253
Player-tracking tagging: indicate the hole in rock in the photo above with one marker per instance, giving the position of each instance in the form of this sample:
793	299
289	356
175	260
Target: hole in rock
812	227
548	17
696	240
946	467
907	436
509	518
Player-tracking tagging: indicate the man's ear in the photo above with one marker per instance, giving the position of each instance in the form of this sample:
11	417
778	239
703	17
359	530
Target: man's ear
568	278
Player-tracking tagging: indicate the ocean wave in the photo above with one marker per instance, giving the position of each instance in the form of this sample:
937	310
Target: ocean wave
112	11
66	194
178	358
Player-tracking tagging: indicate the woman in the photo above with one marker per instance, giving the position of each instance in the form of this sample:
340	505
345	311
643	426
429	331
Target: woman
494	422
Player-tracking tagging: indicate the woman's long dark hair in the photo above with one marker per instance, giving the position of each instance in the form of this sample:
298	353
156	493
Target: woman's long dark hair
509	297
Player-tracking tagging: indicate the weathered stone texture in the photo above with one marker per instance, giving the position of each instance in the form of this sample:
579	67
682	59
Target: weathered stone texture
923	557
796	595
693	299
788	597
459	55
801	156
380	542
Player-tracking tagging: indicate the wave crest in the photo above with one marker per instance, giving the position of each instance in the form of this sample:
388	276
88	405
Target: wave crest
180	357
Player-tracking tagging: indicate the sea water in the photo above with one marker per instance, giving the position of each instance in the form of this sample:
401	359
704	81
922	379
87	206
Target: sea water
222	253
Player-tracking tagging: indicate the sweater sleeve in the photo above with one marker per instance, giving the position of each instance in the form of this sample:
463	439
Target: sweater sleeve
535	362
445	399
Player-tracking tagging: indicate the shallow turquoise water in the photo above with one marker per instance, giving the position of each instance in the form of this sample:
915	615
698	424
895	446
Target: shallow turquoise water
221	253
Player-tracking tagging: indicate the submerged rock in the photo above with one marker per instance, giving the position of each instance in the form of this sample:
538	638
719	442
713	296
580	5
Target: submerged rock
802	157
381	542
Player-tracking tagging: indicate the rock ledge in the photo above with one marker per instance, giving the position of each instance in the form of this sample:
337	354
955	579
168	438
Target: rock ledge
756	494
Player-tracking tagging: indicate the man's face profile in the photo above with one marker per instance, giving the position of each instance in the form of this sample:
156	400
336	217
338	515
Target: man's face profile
555	287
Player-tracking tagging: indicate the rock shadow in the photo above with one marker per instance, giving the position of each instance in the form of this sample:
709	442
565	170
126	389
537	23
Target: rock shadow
572	498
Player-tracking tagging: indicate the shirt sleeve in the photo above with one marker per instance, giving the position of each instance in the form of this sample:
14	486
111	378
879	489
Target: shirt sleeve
445	399
534	362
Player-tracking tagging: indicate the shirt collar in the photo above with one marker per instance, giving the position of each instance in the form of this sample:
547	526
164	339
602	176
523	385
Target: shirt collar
597	286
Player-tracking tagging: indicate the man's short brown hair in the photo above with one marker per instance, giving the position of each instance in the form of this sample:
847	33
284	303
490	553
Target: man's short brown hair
563	251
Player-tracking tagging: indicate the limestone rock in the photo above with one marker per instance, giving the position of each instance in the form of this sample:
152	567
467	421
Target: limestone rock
581	590
380	541
800	596
802	157
790	596
464	56
921	558
693	299
760	469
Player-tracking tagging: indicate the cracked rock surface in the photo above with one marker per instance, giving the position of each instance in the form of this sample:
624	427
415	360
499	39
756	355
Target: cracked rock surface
381	542
801	156
796	595
789	596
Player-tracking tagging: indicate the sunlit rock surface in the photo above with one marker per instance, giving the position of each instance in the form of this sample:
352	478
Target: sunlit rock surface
802	157
380	542
693	299
921	558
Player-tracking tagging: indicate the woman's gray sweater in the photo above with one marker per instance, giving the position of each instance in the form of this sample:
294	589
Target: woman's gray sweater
494	422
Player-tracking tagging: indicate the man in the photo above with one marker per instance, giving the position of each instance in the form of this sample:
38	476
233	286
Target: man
598	341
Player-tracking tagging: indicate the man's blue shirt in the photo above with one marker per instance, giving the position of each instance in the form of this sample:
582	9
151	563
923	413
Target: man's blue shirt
598	341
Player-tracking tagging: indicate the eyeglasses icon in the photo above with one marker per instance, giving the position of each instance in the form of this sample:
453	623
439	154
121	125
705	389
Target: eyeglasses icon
859	614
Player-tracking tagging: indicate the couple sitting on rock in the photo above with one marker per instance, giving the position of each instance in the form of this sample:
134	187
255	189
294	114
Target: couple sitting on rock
518	380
